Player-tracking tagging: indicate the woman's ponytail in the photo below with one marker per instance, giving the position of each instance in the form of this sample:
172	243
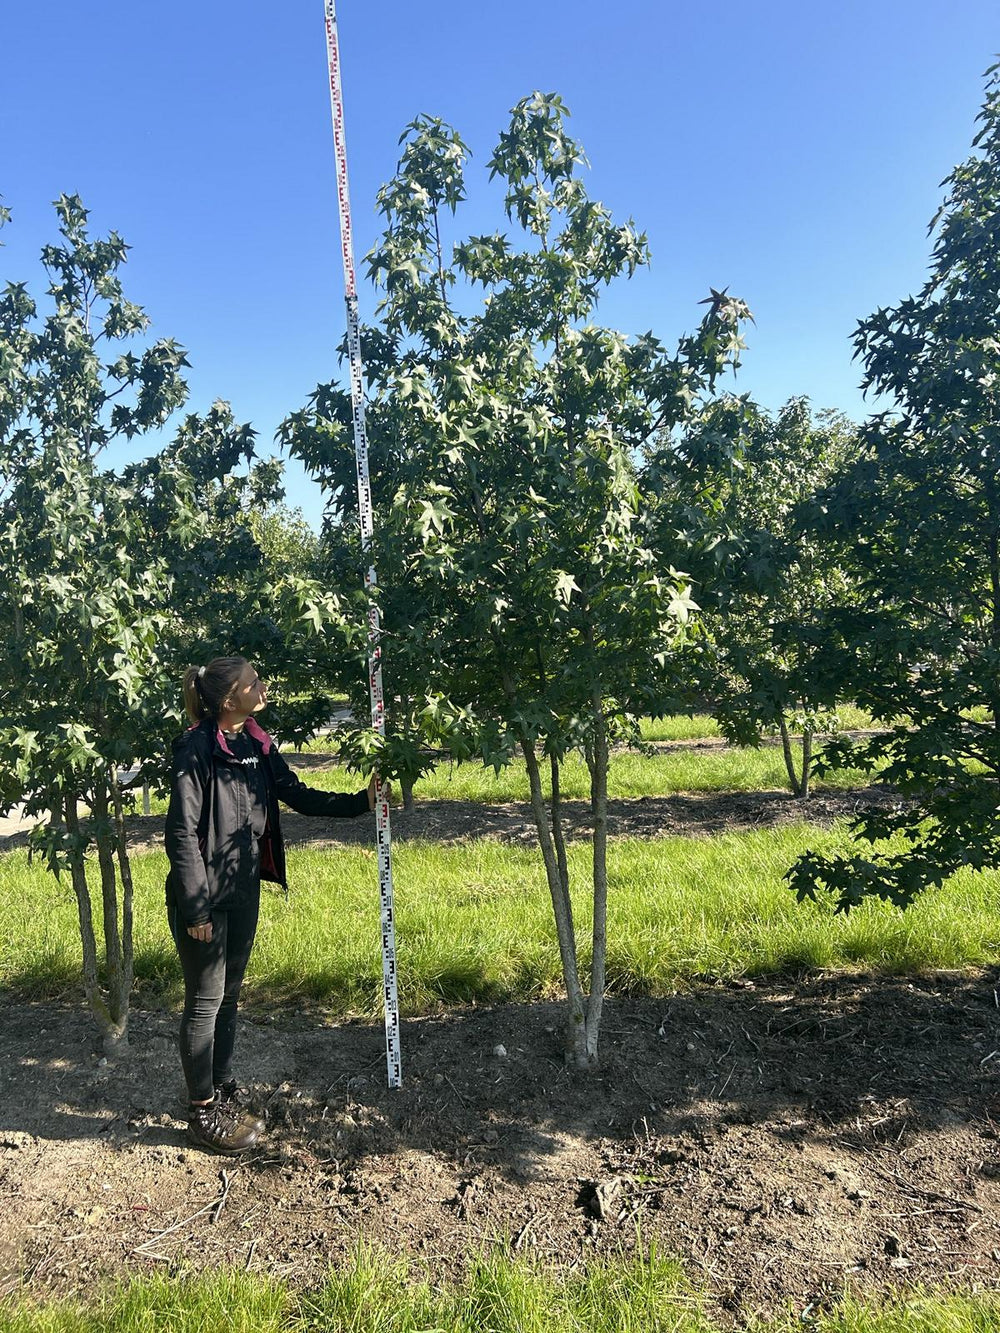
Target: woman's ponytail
207	688
194	705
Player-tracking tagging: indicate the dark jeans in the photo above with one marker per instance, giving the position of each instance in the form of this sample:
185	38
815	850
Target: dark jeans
213	975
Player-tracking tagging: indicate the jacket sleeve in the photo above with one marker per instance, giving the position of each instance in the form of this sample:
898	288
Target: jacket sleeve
309	801
190	775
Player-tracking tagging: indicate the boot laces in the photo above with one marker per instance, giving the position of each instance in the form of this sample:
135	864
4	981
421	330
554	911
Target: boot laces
218	1118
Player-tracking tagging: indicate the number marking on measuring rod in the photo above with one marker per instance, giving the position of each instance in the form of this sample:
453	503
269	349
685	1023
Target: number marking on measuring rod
382	833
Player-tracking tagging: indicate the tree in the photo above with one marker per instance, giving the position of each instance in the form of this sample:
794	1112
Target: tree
87	588
921	650
737	490
246	574
321	437
534	612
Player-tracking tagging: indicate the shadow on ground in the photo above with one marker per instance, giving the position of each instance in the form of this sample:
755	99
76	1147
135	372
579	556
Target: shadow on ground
787	1139
691	814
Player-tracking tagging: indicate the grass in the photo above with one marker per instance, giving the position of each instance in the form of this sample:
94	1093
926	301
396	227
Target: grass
637	1293
678	727
701	726
474	923
630	775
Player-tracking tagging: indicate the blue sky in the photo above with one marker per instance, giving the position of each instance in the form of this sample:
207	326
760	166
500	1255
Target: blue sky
792	152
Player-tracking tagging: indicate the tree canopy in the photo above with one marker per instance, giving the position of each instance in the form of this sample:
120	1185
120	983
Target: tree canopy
524	605
921	509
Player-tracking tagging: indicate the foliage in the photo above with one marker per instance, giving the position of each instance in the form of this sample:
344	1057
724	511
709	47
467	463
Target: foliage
520	595
246	573
89	565
734	488
921	508
321	436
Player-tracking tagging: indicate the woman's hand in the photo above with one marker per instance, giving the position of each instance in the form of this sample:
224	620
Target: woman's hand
386	787
202	933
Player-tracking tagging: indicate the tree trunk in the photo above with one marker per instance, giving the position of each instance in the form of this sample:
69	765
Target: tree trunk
994	609
786	746
576	1027
78	875
557	834
125	871
599	812
115	978
406	787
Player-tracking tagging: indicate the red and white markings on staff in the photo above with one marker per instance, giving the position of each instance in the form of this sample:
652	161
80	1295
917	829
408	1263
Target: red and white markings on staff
383	836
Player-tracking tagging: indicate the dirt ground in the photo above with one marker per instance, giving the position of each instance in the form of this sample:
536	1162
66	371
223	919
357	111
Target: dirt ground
787	1140
689	814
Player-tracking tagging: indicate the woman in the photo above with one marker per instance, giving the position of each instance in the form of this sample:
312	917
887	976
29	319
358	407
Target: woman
223	836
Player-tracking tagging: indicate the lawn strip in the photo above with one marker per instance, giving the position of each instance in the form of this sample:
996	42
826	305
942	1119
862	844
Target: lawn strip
474	923
680	767
623	1281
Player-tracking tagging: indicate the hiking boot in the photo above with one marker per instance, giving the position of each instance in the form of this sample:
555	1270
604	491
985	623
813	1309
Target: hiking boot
214	1126
235	1100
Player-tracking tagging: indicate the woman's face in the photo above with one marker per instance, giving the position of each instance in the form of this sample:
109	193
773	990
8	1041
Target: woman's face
249	694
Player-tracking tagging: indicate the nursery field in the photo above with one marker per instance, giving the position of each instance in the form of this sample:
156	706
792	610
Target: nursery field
793	1123
769	1113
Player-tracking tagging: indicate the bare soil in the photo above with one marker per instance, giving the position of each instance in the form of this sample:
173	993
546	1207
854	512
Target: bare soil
701	814
787	1140
455	822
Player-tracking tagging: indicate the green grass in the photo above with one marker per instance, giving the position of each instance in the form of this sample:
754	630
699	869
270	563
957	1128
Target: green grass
631	774
701	725
224	1302
678	728
377	1294
474	923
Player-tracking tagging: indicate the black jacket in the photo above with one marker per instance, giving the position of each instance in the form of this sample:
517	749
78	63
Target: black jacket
215	861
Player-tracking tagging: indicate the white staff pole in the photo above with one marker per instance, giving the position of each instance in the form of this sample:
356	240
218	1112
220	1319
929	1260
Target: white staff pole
392	1052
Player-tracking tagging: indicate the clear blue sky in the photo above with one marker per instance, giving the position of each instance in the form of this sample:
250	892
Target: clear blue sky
790	151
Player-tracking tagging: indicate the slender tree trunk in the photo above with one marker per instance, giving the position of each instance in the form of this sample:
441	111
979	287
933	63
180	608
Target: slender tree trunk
786	746
576	1028
117	993
994	556
599	812
406	787
78	875
557	835
125	872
